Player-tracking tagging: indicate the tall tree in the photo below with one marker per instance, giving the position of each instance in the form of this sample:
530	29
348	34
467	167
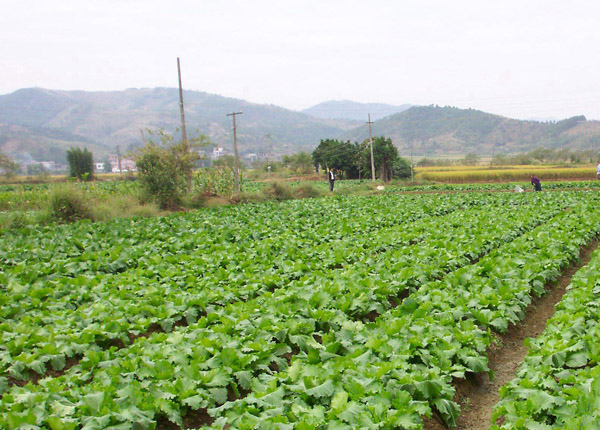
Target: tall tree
81	164
342	156
388	163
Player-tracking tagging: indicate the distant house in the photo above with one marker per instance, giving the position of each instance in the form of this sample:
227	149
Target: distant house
98	167
48	165
127	164
217	152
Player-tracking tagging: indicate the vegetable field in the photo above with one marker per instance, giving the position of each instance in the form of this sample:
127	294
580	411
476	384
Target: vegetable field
332	313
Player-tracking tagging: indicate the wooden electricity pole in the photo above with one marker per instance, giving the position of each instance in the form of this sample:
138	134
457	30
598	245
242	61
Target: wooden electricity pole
183	132
412	176
186	146
268	136
236	161
371	142
119	159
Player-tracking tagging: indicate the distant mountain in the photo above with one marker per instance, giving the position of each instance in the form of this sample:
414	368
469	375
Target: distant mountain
27	144
434	130
42	124
349	110
108	119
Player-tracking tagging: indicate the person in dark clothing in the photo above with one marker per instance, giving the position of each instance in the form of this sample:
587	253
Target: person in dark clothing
536	183
331	179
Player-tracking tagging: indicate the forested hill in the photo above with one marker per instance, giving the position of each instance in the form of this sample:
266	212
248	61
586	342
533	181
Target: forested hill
435	130
347	109
44	122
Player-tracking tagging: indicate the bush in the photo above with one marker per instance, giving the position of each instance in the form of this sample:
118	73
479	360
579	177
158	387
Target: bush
278	191
165	169
68	204
215	181
123	207
307	191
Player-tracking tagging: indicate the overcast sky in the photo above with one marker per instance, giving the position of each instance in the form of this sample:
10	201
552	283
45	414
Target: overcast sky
522	59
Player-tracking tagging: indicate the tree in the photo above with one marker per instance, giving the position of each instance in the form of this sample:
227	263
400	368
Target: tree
81	164
36	169
341	156
8	166
388	163
165	167
426	162
470	159
500	160
300	163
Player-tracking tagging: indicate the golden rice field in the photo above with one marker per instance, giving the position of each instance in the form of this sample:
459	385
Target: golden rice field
486	166
455	174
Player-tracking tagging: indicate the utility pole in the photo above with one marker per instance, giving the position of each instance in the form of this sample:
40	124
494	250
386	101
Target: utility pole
412	176
268	136
492	160
183	132
371	142
119	159
236	179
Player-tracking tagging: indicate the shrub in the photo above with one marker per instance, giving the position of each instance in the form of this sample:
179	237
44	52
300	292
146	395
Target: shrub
67	204
123	207
165	169
279	191
307	191
215	181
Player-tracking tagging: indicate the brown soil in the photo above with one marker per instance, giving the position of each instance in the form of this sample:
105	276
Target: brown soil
192	420
478	395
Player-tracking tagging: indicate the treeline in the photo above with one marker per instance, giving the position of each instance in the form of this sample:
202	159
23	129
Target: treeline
353	160
537	156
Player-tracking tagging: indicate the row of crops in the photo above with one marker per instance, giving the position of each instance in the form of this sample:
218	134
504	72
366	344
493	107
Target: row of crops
334	313
35	196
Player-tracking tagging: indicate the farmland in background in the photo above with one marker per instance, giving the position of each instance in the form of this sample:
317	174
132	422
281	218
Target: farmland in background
463	174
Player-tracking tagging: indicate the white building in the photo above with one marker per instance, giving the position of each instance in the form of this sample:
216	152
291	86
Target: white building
127	164
217	152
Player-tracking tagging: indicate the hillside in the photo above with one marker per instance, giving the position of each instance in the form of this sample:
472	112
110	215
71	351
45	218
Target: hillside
26	144
435	130
42	124
349	110
108	119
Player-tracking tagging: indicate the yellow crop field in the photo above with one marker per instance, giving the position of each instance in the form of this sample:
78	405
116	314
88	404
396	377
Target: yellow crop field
521	173
485	167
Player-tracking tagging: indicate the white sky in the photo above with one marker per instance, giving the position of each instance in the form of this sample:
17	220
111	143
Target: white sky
519	58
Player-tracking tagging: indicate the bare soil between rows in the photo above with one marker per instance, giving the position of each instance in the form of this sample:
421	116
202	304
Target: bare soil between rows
478	396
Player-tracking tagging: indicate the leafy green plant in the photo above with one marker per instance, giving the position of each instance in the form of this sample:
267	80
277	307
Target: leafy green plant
303	314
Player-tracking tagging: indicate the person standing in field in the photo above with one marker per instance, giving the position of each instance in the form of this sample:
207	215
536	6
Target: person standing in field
331	179
598	171
536	183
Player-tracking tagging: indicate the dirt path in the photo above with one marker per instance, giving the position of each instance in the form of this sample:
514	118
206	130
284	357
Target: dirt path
478	397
